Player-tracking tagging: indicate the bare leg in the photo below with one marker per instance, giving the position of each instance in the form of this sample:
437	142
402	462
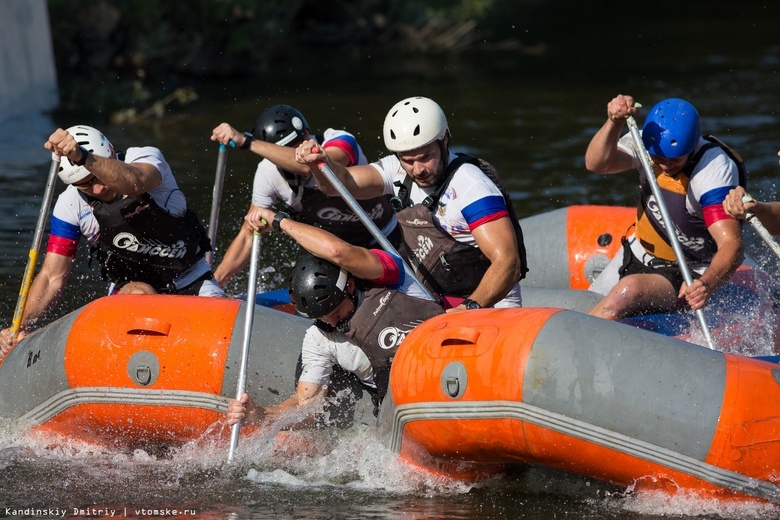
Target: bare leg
137	288
637	294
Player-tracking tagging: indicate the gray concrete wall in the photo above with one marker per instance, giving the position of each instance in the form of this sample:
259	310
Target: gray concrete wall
28	79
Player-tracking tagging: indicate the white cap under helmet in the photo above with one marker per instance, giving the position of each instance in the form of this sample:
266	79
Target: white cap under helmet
414	123
91	140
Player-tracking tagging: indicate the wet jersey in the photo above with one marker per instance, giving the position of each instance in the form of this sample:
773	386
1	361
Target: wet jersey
693	197
72	216
470	200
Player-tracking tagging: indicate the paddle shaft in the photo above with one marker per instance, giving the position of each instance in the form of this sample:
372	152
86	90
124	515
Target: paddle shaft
32	259
249	316
372	228
644	157
763	232
216	200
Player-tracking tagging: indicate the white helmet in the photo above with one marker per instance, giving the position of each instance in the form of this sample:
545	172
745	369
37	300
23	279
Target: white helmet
414	123
91	140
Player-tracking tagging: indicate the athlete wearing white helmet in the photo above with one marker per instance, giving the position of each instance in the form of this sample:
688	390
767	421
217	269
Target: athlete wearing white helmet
129	207
414	123
91	140
459	227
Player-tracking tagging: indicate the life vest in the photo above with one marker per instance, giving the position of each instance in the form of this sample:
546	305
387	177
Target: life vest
695	240
380	324
444	265
140	241
333	214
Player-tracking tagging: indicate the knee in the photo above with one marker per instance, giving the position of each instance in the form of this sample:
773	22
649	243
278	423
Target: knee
137	288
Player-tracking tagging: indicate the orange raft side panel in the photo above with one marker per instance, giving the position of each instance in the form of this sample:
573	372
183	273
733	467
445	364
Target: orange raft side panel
130	426
187	337
747	440
480	428
587	229
493	375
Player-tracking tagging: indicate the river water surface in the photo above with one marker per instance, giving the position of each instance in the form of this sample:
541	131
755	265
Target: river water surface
531	116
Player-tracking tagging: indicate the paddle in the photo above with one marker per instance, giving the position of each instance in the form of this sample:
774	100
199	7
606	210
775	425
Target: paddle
763	232
366	220
686	273
249	316
216	198
32	259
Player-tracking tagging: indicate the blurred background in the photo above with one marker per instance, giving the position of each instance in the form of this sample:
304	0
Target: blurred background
524	84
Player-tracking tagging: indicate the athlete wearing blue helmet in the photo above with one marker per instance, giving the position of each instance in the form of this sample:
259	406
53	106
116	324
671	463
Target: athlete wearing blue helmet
694	174
672	129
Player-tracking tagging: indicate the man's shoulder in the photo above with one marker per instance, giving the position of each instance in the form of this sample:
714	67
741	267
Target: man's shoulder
69	201
142	153
319	342
333	133
389	165
715	161
470	179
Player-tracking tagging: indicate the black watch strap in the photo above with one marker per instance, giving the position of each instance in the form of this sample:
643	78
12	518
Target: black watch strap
83	159
471	304
248	138
277	222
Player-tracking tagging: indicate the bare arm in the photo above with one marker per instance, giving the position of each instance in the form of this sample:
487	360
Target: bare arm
603	155
47	287
727	258
237	255
362	181
281	156
767	212
359	261
498	243
306	394
123	178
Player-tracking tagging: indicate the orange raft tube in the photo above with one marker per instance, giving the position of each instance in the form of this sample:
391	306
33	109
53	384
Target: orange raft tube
569	391
141	370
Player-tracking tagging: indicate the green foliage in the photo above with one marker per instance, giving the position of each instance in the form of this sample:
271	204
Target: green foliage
128	48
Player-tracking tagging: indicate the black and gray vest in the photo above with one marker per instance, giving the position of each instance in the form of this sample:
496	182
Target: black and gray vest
140	241
382	322
333	214
444	265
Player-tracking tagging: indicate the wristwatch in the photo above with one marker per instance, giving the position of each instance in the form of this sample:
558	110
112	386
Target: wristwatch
83	159
471	304
248	138
277	222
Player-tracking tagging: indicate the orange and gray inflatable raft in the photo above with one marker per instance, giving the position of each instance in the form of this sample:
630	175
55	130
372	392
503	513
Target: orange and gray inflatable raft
569	391
152	369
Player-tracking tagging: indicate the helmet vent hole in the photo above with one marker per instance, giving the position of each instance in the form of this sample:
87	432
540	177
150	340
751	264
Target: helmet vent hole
673	143
392	134
417	130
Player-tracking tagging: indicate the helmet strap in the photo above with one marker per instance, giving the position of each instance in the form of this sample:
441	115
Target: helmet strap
357	298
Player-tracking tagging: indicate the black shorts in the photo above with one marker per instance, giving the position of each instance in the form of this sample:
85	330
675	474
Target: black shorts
669	270
192	289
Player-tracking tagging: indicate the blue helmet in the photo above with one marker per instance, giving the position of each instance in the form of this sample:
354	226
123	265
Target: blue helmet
671	129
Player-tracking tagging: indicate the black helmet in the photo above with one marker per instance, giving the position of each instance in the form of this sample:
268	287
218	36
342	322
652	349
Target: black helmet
317	286
280	124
